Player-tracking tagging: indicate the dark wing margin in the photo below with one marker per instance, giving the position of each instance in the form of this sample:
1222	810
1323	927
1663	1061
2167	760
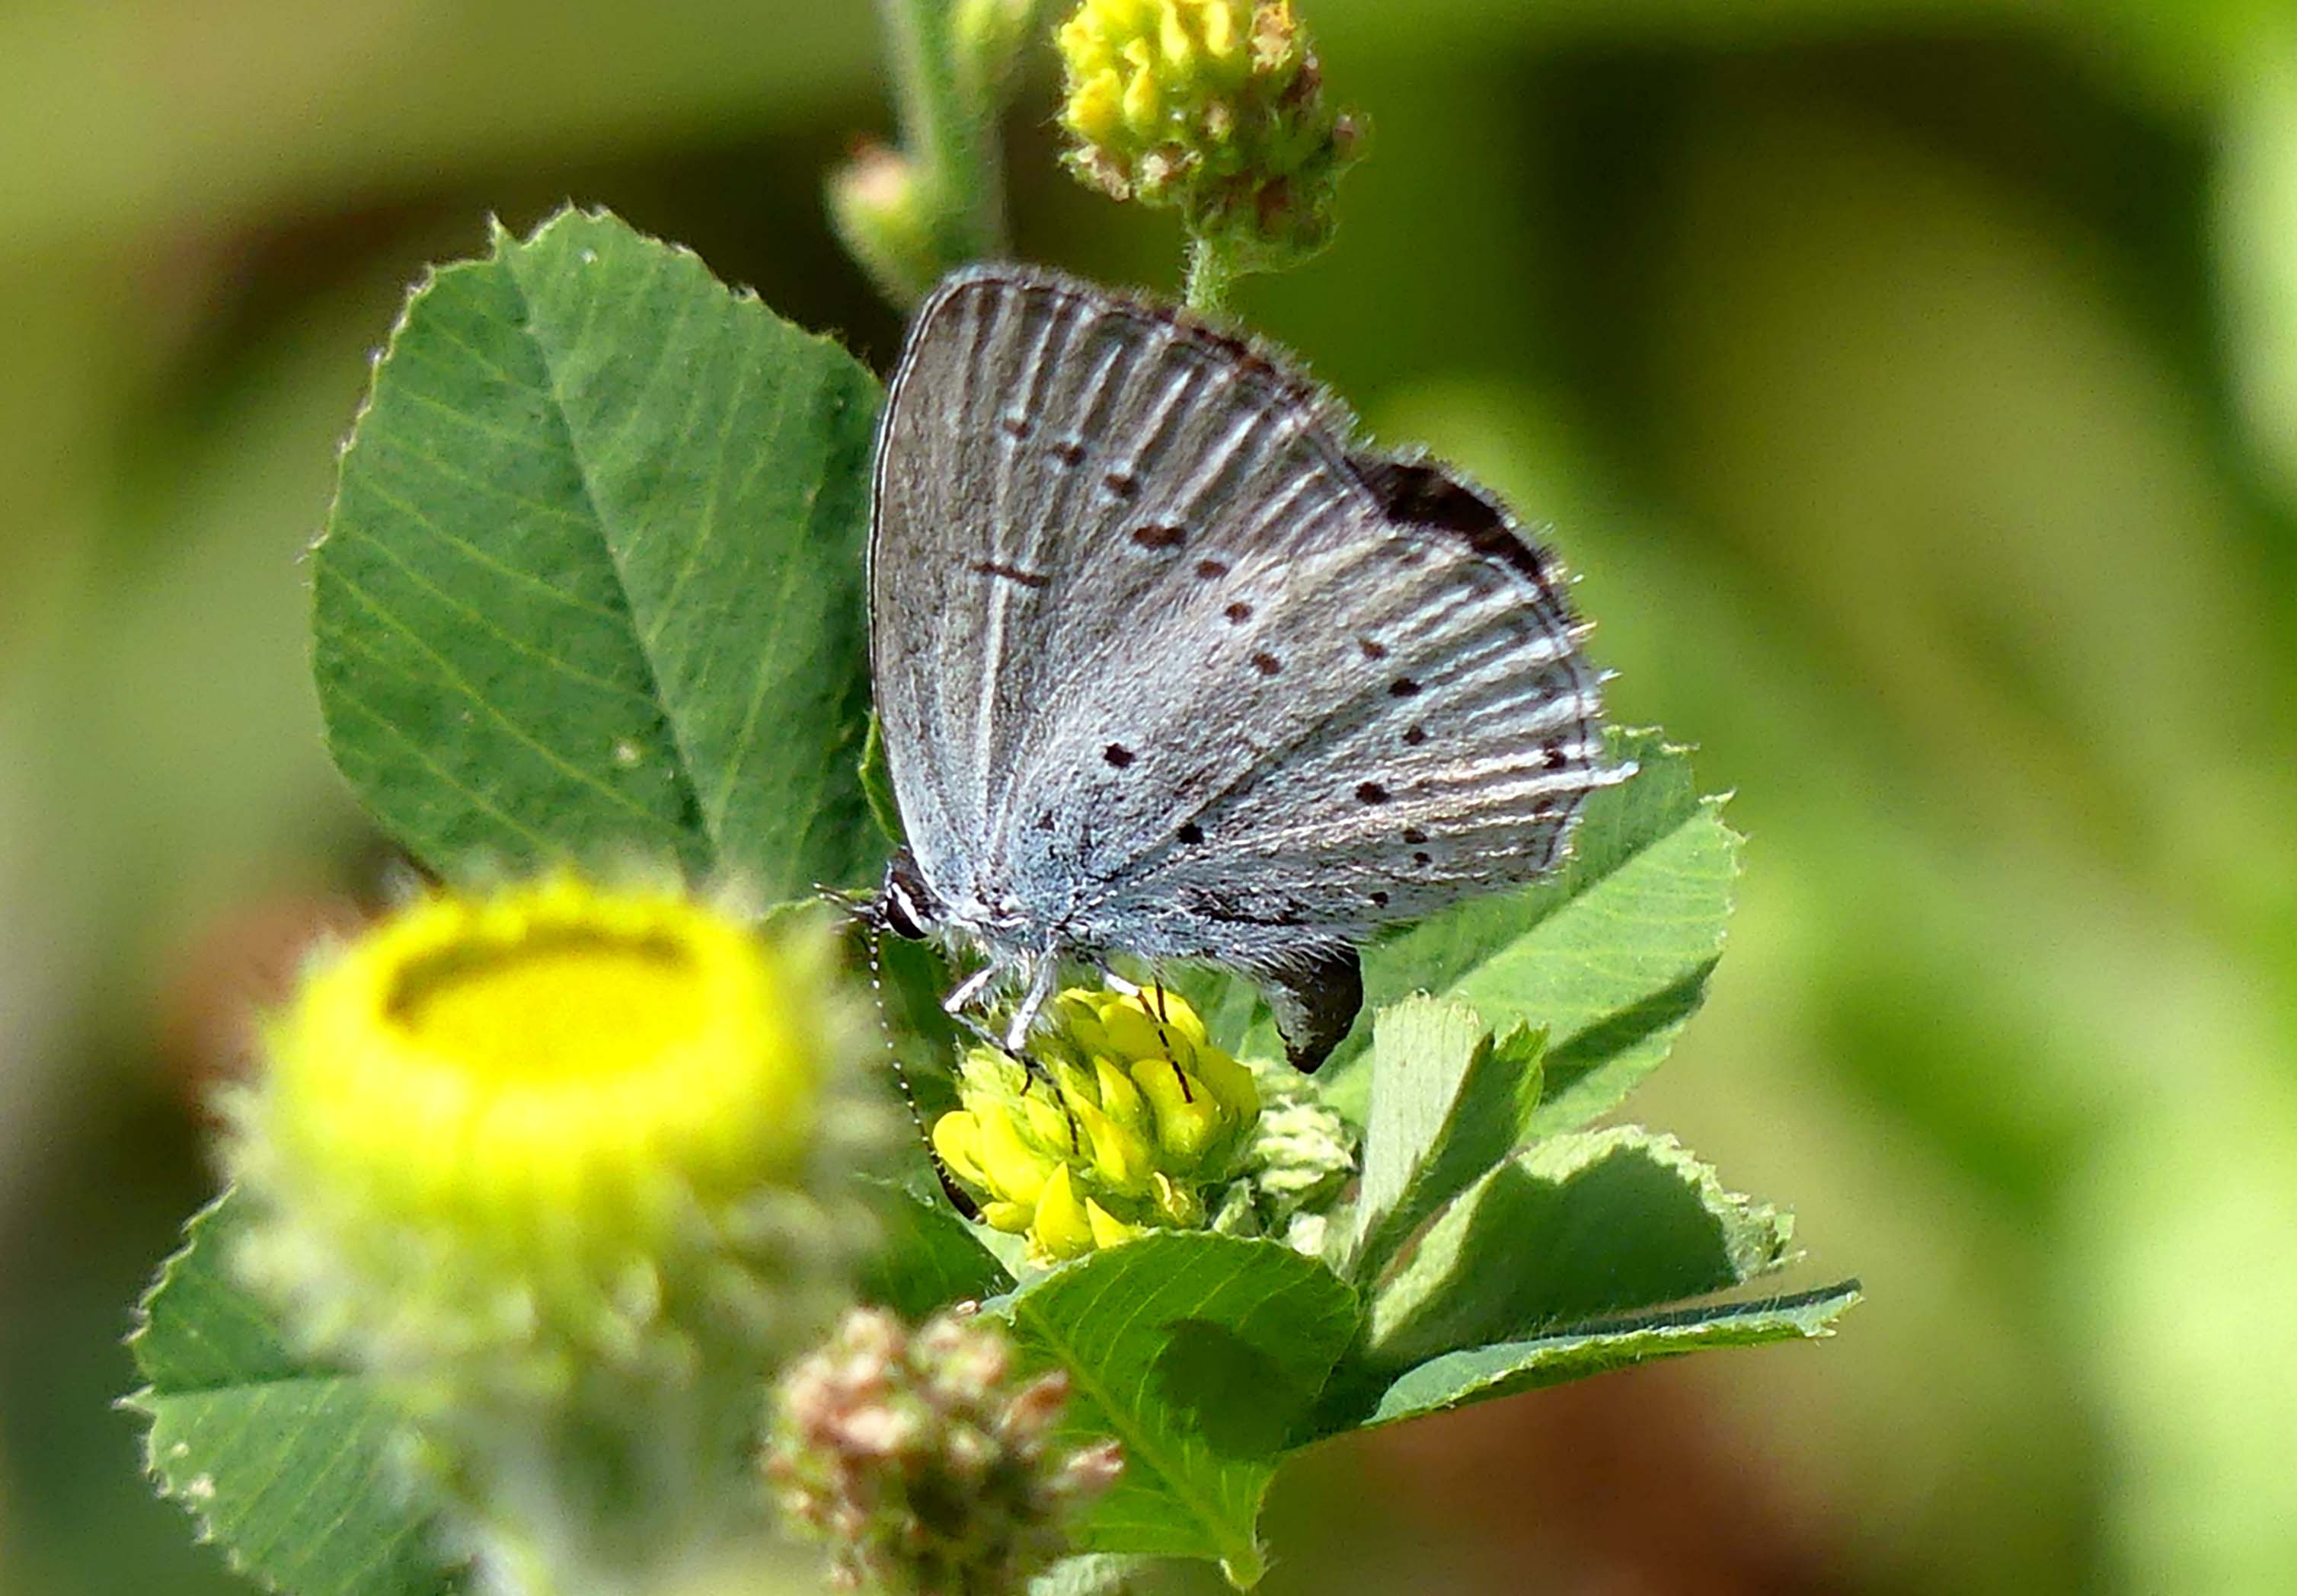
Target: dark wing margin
1423	493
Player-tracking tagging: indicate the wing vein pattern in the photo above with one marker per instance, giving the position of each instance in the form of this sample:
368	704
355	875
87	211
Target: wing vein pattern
1169	665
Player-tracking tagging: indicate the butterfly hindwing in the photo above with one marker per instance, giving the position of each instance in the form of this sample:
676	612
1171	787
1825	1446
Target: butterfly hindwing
1168	667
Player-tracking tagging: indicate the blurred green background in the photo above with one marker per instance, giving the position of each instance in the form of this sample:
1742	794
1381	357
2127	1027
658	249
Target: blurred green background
1913	381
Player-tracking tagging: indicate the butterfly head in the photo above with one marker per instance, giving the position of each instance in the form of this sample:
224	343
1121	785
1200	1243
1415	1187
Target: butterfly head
906	906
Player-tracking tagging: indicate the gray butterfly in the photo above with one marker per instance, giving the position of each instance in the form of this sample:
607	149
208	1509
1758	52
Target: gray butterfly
1166	666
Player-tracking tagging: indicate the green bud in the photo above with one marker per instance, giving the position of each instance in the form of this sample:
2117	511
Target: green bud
879	206
1301	1157
985	38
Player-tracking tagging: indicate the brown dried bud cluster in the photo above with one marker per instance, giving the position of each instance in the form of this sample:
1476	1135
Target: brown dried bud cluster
925	1462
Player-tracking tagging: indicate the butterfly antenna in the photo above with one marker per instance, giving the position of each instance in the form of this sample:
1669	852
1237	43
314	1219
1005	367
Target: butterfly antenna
1161	1017
874	942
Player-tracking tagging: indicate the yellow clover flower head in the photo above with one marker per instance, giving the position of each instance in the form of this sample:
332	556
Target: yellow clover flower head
1213	107
1130	1114
555	1125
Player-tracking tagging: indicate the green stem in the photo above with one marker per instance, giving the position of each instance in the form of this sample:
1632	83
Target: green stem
1211	272
947	132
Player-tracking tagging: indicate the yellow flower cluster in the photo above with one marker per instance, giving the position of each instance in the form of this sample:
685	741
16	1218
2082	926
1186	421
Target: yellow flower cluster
1213	107
1130	1113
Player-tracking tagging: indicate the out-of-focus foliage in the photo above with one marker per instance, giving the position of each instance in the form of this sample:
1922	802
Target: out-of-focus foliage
1910	378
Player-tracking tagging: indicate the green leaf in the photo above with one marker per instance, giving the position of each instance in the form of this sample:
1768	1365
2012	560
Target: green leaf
592	584
1590	1223
928	1258
878	782
1482	1373
291	1469
1447	1104
1610	955
1200	1353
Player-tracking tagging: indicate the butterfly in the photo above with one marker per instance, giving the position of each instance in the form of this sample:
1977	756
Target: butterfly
1167	665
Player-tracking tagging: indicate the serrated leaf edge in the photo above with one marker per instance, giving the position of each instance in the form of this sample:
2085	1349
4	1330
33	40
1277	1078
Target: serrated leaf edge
1831	1300
1575	1150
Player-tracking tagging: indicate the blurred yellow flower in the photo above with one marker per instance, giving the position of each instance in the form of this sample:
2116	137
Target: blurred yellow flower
545	1115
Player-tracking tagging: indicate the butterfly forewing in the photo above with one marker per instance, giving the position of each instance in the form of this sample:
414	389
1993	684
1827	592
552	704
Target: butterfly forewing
1182	674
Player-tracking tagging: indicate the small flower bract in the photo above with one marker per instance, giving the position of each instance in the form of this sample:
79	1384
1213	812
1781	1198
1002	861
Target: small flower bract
1131	1114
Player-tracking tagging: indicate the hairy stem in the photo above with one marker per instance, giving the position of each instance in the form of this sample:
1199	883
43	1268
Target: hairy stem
1211	271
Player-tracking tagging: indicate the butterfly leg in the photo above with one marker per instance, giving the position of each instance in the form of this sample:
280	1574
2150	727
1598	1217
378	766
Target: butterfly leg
961	996
1044	970
958	1004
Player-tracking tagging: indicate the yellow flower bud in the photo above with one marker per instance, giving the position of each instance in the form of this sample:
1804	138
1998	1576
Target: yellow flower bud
1120	1097
957	1143
1188	1117
1016	1167
1119	1157
1012	1218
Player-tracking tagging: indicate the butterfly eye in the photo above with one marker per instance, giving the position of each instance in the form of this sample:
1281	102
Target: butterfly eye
902	915
900	922
899	906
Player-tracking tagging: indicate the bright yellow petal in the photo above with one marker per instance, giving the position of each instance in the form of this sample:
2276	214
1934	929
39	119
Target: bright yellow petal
1063	1228
1108	1229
